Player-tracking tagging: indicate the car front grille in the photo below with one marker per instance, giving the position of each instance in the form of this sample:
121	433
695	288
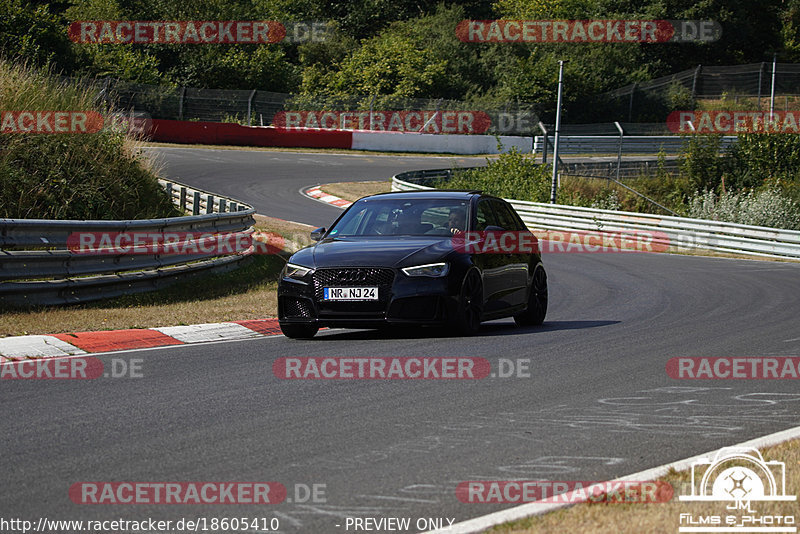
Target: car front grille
381	278
294	307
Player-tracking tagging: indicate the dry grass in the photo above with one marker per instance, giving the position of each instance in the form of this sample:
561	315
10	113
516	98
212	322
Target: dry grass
352	191
663	517
246	293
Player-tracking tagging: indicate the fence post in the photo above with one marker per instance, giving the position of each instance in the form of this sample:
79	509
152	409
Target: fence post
694	81
619	152
222	205
210	204
183	199
760	72
544	148
250	105
630	103
180	103
196	203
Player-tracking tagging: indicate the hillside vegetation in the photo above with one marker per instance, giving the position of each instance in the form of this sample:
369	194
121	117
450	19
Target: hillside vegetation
401	48
69	175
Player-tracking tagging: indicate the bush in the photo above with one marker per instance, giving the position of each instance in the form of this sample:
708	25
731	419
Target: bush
767	207
511	175
702	164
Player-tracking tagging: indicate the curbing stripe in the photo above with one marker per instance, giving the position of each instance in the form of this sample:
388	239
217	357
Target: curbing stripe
112	340
479	524
198	333
265	327
315	193
35	347
60	345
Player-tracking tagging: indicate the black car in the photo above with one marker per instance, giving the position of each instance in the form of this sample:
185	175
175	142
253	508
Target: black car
416	257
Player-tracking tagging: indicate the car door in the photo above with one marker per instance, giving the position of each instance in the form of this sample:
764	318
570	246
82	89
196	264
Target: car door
514	280
491	264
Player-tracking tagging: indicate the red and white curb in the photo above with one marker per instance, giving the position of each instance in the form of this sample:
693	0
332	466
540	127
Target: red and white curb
318	194
59	345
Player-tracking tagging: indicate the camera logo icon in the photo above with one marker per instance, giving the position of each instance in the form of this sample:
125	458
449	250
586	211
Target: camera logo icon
738	474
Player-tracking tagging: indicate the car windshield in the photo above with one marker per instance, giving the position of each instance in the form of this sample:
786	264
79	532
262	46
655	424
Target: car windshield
429	217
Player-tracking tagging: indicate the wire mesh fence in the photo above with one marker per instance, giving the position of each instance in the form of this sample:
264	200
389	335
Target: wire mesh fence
642	106
747	87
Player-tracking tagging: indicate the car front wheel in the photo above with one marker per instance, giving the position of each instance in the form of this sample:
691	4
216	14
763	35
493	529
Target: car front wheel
470	305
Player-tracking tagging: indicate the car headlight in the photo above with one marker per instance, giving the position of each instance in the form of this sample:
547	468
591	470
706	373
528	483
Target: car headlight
296	271
435	270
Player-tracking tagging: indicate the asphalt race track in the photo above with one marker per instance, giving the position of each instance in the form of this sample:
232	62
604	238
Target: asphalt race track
594	402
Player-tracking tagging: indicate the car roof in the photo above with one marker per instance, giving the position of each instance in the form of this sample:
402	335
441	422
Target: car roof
432	194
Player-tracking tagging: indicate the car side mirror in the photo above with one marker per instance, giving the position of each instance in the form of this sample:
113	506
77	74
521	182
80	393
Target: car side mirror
318	233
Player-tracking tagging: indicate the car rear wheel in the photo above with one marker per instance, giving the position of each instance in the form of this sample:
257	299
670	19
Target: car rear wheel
470	305
299	331
537	301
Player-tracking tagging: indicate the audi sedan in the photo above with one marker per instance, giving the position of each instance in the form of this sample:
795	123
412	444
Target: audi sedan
439	258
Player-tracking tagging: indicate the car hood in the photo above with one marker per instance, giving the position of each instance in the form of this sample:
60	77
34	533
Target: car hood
394	252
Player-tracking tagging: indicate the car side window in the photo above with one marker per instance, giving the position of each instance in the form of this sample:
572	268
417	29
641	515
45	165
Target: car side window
504	215
485	215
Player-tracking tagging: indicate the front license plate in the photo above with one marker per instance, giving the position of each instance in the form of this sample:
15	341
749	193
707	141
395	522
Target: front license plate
350	293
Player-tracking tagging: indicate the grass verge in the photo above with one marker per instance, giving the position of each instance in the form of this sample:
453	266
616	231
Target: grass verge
352	191
659	517
245	293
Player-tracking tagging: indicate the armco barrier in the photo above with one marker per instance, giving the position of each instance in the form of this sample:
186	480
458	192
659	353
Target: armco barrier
681	232
38	268
631	144
222	133
225	133
438	143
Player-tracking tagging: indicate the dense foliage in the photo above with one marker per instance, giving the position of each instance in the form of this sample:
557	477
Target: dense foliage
398	47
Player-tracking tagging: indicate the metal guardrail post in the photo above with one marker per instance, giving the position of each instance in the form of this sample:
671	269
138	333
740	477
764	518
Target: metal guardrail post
210	204
183	200
222	205
196	203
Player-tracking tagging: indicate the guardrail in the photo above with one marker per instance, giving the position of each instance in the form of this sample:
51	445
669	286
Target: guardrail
680	233
609	144
38	266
